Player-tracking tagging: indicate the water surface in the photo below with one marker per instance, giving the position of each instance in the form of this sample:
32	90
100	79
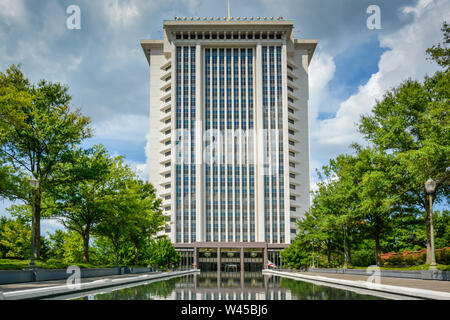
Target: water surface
227	286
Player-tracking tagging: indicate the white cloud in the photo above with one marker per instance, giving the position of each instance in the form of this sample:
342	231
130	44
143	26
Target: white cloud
120	14
405	59
75	63
122	127
12	11
50	226
148	150
419	8
321	72
140	168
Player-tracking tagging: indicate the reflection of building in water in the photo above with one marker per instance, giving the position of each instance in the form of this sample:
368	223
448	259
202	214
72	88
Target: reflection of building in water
229	104
231	286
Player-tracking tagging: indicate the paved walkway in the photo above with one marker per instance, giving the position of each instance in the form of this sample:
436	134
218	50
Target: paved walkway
435	285
44	284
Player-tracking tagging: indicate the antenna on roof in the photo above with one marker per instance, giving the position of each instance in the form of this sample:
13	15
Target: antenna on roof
228	10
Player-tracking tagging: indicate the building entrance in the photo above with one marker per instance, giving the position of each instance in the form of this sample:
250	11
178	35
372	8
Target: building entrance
207	259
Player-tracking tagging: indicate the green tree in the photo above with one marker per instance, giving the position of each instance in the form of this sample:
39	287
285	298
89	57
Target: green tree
122	204
105	253
319	225
12	96
377	193
411	124
441	53
43	130
298	255
77	199
442	227
163	254
373	199
356	197
15	238
148	219
407	232
9	181
336	203
72	247
57	242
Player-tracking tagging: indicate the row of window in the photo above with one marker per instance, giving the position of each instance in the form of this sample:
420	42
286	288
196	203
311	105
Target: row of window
185	204
228	36
272	96
225	68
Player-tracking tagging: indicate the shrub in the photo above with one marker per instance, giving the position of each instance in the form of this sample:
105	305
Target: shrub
413	258
443	256
393	259
53	262
363	258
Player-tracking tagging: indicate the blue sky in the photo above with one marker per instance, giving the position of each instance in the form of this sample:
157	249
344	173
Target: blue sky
108	75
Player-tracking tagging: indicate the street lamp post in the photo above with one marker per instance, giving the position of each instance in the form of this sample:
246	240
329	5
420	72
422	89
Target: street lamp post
430	188
34	183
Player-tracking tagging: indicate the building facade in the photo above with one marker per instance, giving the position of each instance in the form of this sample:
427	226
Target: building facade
230	136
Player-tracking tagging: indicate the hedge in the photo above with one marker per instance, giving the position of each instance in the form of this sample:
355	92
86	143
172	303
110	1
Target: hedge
412	258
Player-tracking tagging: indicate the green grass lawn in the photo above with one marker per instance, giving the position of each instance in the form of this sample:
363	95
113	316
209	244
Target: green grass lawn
14	264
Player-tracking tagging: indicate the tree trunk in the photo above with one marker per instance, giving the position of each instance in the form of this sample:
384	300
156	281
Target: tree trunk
329	253
428	224
86	245
136	254
345	250
377	246
349	254
116	247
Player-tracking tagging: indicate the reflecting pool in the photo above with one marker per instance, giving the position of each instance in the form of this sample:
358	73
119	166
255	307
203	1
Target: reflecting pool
225	286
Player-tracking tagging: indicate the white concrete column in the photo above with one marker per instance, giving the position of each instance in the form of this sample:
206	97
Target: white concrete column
226	150
232	162
305	145
173	100
183	159
189	151
240	146
277	145
259	146
218	152
199	132
287	189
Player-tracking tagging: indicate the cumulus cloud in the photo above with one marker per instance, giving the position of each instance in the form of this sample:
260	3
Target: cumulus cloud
141	169
419	8
120	13
404	59
12	11
122	127
322	70
108	74
337	24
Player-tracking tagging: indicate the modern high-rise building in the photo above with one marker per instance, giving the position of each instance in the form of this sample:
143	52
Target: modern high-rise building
229	137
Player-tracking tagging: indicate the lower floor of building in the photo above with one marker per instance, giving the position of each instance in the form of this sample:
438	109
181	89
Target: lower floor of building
230	256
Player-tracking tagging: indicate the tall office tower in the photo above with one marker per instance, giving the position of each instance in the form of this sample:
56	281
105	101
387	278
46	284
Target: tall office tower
229	136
